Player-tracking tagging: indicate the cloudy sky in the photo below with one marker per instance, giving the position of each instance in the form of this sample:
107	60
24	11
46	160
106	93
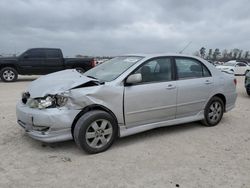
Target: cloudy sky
113	27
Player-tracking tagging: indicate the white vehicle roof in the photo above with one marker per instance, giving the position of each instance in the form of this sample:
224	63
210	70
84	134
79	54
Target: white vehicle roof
160	54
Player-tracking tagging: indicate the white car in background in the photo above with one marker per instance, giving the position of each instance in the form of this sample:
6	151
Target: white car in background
238	68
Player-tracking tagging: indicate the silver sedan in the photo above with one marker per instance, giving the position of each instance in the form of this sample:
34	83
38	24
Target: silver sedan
123	96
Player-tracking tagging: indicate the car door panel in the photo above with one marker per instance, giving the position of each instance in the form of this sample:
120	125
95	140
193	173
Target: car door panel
154	99
192	96
32	62
54	61
194	87
149	103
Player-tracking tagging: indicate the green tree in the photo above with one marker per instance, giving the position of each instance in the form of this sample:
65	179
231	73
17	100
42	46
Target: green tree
224	53
236	51
203	52
246	54
216	53
210	52
240	54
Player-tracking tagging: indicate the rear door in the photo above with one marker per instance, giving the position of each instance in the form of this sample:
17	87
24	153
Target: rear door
54	61
195	83
154	99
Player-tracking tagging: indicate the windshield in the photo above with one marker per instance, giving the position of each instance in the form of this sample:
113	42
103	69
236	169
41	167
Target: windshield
111	69
230	64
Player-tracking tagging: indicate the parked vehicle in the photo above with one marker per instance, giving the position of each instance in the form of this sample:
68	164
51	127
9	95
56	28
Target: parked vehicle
39	61
239	68
124	96
247	83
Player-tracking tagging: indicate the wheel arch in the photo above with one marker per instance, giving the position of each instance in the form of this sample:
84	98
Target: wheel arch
222	97
8	65
91	108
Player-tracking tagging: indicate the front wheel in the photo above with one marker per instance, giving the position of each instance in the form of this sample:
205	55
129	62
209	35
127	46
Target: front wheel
95	131
213	112
8	74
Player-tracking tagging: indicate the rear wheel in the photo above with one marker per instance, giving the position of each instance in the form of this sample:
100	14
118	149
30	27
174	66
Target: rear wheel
213	112
248	92
95	131
8	74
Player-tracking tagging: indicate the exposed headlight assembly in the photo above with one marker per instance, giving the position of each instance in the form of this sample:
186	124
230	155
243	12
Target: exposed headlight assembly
45	103
51	101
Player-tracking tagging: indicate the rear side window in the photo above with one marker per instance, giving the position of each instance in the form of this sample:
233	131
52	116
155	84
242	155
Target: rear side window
188	68
241	65
36	53
53	54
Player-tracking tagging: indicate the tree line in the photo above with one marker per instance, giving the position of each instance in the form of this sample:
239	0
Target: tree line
224	55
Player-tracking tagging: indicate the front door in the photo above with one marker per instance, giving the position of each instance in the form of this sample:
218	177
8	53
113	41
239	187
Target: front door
154	99
32	62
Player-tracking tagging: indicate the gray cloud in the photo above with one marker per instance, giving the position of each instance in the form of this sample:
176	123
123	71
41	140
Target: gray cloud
123	26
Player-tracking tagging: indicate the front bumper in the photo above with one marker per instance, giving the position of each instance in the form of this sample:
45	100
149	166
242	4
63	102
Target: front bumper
47	125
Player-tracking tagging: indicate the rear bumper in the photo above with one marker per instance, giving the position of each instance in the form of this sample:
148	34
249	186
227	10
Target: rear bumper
47	125
230	101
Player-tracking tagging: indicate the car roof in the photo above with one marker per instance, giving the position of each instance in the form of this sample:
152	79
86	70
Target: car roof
160	54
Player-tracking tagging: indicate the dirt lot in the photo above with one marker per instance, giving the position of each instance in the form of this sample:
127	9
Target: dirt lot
188	155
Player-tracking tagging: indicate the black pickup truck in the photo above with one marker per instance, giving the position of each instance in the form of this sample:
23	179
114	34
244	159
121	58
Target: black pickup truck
39	61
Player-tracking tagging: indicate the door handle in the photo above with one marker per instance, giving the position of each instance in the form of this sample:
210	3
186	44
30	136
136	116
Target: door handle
208	82
170	86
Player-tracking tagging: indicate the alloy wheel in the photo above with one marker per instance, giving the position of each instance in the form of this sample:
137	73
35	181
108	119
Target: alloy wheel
8	75
215	112
99	133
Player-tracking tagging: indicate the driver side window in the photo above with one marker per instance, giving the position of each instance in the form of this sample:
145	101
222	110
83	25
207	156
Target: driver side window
36	53
157	70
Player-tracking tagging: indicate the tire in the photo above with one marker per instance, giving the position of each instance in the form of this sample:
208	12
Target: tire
101	128
80	70
213	112
248	92
8	74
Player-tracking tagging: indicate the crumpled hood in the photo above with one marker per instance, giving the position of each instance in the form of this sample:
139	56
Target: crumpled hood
57	83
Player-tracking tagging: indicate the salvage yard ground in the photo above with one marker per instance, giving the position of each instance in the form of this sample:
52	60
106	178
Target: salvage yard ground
187	155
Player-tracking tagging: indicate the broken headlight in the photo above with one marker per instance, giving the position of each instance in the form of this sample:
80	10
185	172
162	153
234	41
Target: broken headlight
47	102
61	100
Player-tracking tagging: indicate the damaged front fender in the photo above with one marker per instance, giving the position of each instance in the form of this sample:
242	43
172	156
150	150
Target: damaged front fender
109	96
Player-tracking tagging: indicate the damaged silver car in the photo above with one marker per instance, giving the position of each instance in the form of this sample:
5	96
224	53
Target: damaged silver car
123	96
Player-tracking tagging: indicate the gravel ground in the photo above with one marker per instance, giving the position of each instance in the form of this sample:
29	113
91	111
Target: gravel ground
187	155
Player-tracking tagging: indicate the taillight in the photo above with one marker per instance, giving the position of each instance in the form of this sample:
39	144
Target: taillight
235	81
93	63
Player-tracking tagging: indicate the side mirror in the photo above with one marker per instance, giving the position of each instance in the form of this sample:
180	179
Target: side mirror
134	78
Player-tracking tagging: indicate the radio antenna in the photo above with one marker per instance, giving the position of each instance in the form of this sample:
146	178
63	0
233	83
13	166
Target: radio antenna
185	47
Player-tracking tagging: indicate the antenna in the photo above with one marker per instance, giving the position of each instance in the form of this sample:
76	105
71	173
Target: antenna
185	47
